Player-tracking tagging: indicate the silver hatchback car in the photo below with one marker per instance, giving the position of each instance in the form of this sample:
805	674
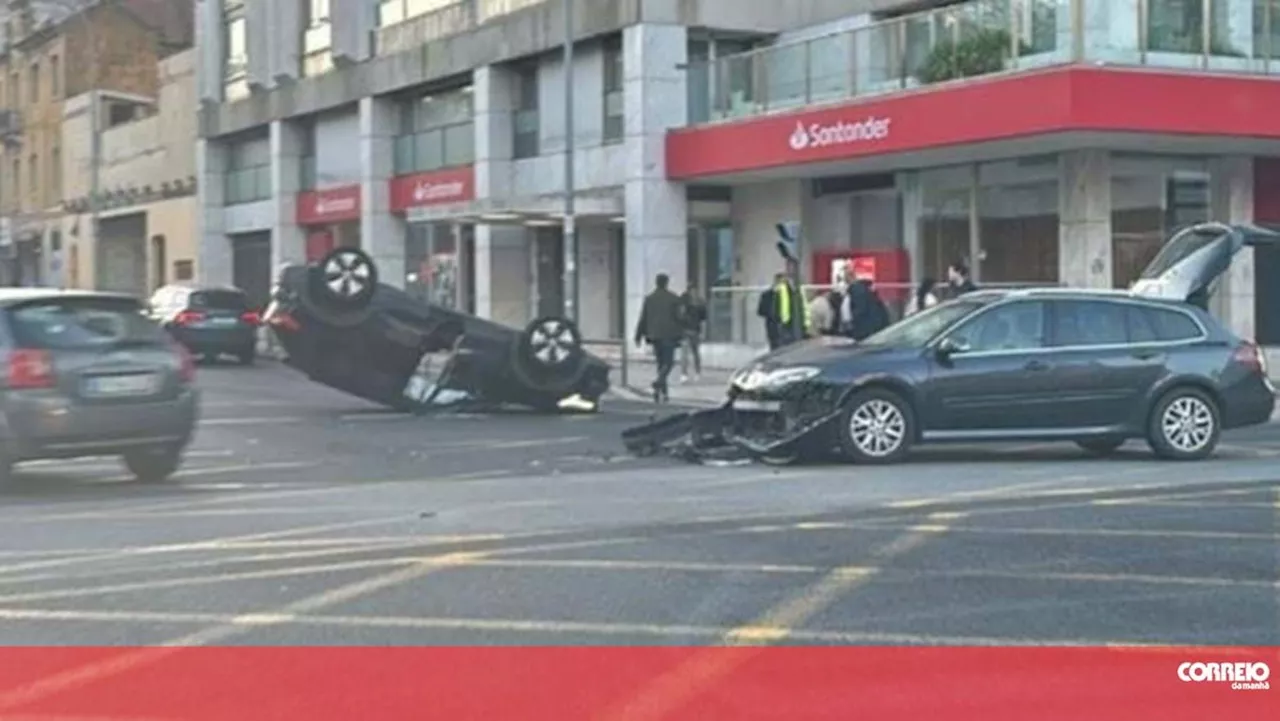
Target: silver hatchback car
88	374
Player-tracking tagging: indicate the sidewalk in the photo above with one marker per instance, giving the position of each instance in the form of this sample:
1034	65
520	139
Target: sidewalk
709	390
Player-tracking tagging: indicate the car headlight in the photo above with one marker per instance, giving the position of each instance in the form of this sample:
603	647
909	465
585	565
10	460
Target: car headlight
758	379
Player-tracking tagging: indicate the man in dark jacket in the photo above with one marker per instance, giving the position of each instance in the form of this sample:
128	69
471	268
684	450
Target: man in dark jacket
781	306
660	327
864	313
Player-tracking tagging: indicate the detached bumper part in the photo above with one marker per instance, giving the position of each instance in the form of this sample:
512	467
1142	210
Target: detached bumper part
725	433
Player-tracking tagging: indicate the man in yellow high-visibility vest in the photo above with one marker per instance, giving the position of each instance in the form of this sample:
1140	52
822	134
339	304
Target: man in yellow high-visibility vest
788	301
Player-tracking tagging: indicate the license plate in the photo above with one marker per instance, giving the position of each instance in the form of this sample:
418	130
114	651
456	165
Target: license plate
130	385
742	404
223	322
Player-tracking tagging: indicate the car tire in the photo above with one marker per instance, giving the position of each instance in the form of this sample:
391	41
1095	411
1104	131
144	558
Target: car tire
1100	446
153	465
347	277
548	356
877	427
1185	425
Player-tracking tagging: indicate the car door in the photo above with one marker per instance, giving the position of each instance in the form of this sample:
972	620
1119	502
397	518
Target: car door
1105	356
1192	261
998	377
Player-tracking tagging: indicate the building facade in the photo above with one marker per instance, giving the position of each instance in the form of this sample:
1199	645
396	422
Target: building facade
145	233
54	50
1042	141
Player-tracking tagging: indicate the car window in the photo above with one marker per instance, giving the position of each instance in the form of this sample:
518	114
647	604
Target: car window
1141	322
917	330
1179	248
1172	325
218	300
81	324
1089	322
1013	326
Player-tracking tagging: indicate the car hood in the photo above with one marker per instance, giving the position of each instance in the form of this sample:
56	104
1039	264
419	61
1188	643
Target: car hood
827	353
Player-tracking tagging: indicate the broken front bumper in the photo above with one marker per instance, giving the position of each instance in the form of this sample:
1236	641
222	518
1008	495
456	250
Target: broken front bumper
790	424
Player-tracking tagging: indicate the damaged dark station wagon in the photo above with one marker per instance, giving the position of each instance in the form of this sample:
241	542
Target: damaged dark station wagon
1094	367
346	330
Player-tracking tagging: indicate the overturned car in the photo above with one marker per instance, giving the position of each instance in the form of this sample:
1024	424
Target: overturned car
1093	367
346	330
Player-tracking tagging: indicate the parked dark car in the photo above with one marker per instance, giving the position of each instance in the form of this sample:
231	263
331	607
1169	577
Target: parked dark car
1094	367
344	329
87	374
208	321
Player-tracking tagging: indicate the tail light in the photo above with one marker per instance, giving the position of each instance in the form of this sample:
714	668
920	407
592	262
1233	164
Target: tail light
1250	355
187	367
30	368
188	317
251	318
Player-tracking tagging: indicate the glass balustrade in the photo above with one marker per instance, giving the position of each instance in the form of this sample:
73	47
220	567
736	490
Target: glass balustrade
986	38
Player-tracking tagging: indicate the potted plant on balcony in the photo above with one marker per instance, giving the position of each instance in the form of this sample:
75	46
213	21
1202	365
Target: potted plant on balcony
982	52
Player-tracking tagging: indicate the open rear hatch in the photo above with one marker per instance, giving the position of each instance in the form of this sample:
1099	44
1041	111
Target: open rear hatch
1195	258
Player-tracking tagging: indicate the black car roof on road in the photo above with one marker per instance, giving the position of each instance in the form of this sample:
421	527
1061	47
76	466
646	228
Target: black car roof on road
13	296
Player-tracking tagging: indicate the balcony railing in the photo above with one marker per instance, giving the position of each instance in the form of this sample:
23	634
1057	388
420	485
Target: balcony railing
444	147
988	37
247	185
453	19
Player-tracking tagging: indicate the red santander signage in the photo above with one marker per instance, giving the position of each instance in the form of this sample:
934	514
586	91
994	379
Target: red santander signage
330	205
436	187
1042	102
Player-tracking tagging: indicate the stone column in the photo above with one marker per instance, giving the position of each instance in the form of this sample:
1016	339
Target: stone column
288	240
354	25
1231	200
1084	219
654	100
284	51
502	252
381	231
214	264
260	34
209	50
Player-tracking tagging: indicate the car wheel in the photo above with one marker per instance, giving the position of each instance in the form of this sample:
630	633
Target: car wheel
1185	425
549	355
153	465
347	278
1101	446
877	426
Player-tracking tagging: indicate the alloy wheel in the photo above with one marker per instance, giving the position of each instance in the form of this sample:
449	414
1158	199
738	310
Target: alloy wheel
1187	424
347	274
878	428
552	342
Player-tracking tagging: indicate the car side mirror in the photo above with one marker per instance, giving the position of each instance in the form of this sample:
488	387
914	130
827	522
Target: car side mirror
948	347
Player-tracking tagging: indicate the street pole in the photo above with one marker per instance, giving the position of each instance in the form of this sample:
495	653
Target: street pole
570	237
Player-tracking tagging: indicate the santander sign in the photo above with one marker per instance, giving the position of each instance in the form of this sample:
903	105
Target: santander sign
818	135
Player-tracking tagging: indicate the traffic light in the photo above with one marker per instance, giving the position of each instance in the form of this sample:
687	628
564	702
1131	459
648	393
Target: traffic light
789	241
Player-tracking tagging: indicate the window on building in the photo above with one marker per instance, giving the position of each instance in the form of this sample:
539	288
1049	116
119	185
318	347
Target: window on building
248	178
55	172
235	48
613	114
33	178
317	12
436	131
15	89
33	83
55	78
525	122
391	12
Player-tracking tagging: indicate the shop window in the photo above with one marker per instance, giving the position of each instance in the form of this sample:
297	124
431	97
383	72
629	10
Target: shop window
527	127
613	112
432	264
1152	197
710	261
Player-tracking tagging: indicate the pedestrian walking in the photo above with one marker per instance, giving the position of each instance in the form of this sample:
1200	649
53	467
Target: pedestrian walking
661	328
693	317
959	280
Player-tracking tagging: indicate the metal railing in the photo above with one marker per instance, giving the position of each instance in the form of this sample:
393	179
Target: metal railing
446	146
732	319
247	185
986	37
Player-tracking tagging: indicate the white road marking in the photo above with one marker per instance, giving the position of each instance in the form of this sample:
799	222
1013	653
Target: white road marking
252	421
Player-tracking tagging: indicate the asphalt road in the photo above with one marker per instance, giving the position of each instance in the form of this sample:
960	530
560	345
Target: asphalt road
306	517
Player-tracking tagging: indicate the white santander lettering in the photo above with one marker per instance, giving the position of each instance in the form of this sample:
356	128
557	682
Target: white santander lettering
817	135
